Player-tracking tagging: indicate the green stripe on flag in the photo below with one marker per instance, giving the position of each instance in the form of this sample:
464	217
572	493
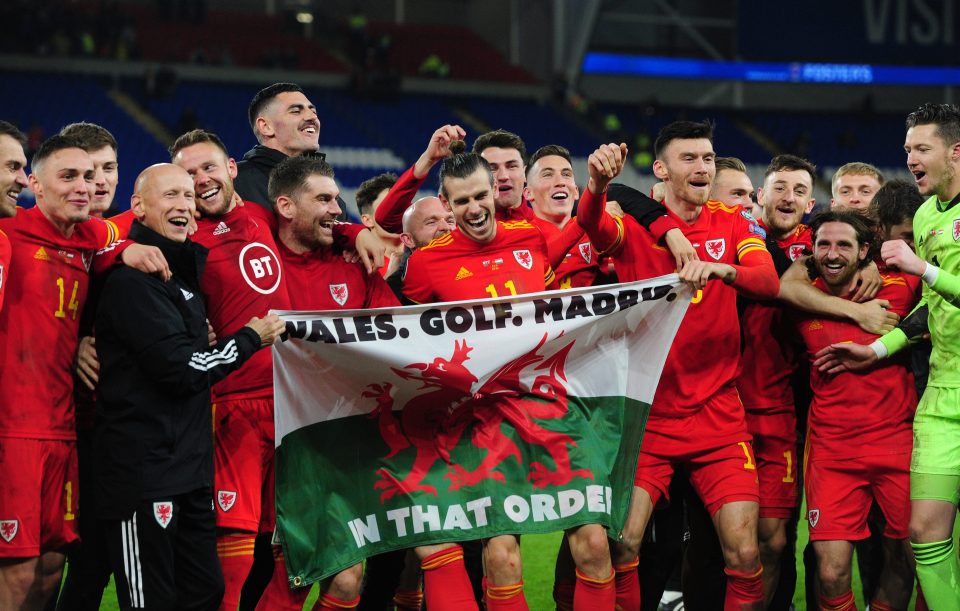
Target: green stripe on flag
331	477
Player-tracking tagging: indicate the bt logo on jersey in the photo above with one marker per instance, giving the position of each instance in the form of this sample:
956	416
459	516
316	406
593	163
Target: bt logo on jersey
260	267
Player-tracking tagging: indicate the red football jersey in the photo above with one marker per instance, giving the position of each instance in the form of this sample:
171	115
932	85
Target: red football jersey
861	413
579	266
4	264
705	354
523	212
769	356
454	267
243	278
124	221
39	323
322	280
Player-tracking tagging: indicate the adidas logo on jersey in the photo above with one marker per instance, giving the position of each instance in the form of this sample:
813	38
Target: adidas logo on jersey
815	325
463	273
221	229
41	255
187	295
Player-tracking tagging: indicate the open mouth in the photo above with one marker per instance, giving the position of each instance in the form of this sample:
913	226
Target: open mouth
833	267
560	196
918	175
310	129
210	193
478	224
179	221
700	184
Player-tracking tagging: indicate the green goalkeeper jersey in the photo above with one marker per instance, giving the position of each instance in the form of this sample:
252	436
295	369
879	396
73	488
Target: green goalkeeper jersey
936	230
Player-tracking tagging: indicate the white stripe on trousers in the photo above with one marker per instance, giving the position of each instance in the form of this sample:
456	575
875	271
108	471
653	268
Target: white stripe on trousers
131	561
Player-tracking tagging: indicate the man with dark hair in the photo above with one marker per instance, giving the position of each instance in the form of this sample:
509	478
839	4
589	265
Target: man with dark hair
507	156
13	180
696	420
552	191
769	355
932	145
894	206
369	196
285	124
490	258
859	426
305	197
153	446
102	148
53	246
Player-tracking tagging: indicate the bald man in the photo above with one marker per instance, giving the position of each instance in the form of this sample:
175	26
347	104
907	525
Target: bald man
426	219
154	451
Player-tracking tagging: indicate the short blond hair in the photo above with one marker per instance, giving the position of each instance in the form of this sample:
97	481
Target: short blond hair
855	168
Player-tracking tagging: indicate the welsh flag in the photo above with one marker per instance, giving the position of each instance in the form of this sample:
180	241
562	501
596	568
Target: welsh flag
457	421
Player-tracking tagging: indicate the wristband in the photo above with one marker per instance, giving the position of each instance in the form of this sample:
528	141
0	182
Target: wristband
879	349
930	274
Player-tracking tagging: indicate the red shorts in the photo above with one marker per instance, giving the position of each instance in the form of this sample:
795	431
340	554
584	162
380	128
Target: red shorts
714	447
243	436
839	494
38	497
775	444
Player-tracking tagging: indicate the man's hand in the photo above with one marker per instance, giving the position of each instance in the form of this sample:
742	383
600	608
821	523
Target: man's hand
659	192
897	255
869	283
605	164
438	148
211	335
371	250
844	357
681	248
269	328
874	317
88	365
698	273
614	209
147	259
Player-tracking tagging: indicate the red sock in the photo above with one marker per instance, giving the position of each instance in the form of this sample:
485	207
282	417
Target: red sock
628	586
410	600
327	602
844	602
563	593
595	593
506	598
446	585
279	594
921	601
236	558
879	606
744	590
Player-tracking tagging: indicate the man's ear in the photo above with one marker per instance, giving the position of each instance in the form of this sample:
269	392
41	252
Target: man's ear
264	129
407	240
136	204
660	170
286	207
810	205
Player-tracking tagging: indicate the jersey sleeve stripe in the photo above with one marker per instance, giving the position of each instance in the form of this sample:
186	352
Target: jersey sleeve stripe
748	245
113	232
617	242
549	277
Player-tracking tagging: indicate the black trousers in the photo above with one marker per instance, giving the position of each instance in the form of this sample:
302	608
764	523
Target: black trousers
164	557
